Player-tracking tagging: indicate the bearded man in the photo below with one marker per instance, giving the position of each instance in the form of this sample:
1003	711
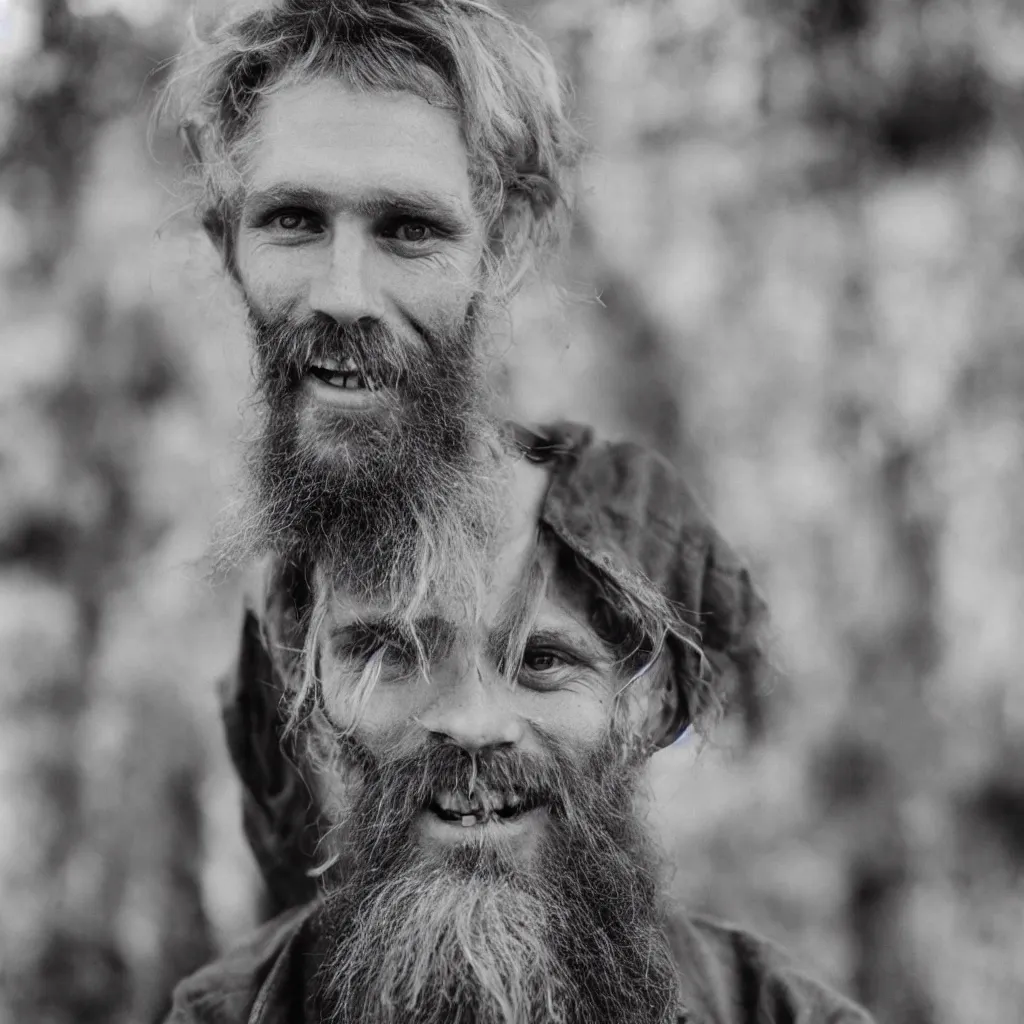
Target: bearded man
377	177
478	771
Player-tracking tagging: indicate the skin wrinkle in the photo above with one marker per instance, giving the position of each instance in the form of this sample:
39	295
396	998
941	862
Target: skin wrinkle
611	653
352	151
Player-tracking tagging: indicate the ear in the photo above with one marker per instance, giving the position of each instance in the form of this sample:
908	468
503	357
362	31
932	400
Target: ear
667	713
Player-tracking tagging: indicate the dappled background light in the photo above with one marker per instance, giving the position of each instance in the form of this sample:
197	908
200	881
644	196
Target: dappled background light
797	270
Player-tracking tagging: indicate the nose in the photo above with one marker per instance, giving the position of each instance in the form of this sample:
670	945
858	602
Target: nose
472	708
345	290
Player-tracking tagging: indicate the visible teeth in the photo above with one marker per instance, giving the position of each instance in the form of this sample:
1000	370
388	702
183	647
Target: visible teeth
481	806
336	365
493	802
348	381
456	803
468	820
344	375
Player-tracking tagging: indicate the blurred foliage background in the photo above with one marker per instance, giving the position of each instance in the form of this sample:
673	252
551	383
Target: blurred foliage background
797	271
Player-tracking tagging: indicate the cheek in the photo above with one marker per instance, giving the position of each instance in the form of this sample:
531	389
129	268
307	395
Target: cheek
434	291
336	785
274	278
579	717
378	710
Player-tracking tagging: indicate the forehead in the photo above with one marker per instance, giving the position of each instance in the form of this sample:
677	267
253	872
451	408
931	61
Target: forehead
326	135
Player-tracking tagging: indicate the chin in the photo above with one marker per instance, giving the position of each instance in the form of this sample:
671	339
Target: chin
336	434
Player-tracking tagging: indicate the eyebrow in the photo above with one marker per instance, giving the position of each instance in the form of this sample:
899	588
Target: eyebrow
382	202
585	645
436	634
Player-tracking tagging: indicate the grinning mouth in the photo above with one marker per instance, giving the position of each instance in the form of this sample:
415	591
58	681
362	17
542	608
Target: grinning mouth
344	375
480	808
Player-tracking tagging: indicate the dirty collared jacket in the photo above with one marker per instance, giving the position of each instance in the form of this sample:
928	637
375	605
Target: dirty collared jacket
726	976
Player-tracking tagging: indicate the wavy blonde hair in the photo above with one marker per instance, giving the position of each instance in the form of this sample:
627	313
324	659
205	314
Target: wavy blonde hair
460	55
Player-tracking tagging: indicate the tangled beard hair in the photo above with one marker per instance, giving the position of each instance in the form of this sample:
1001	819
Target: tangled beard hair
381	501
469	935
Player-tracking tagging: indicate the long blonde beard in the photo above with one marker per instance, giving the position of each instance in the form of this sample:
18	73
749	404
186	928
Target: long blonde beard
481	941
384	504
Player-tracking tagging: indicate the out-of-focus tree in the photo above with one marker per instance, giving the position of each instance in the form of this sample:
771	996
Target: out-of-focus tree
91	776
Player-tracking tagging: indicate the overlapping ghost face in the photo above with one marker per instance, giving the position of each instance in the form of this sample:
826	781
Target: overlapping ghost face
360	256
479	774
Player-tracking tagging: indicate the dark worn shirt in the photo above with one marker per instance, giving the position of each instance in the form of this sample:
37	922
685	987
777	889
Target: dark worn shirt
726	976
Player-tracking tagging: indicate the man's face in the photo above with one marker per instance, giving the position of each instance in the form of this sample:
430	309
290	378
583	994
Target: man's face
484	820
445	682
358	209
359	253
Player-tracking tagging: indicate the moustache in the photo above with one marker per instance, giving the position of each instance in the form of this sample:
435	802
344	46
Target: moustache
286	350
409	782
400	786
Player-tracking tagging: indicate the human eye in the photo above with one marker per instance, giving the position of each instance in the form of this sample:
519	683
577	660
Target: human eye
413	234
293	221
397	656
546	666
392	662
542	659
358	646
414	231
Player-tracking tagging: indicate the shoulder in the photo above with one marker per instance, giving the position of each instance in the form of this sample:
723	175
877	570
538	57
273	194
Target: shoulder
224	991
729	975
